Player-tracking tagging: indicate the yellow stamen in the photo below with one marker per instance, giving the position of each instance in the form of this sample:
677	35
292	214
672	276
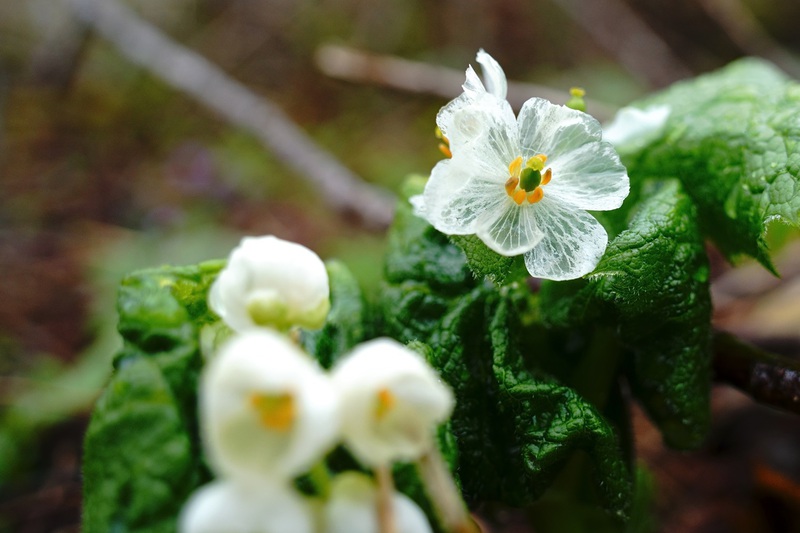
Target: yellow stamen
386	400
511	185
536	162
547	176
515	167
275	411
519	196
445	150
535	195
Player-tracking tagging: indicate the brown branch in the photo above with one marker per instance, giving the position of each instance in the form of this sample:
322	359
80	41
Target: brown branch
412	76
618	29
766	377
189	72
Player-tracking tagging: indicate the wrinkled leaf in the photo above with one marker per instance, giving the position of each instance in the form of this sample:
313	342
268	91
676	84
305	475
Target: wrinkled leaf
733	139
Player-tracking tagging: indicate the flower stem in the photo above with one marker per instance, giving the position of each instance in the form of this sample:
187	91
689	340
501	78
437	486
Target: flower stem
444	493
321	478
386	518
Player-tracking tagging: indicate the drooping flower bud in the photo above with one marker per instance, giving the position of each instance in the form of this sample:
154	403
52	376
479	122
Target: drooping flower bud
230	507
352	508
269	282
267	410
391	402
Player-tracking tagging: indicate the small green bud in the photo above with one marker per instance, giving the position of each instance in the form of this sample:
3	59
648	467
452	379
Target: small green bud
576	100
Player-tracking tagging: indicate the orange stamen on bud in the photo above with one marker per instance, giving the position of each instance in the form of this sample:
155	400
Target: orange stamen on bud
386	401
511	184
519	196
515	167
535	195
275	412
547	176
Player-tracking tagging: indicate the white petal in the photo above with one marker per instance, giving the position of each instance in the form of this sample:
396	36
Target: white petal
459	191
493	75
418	402
473	87
510	230
573	243
352	508
485	124
237	442
639	126
546	128
227	507
591	177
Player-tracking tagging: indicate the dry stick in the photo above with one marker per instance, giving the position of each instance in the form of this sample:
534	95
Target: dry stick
354	65
768	378
191	73
746	31
617	28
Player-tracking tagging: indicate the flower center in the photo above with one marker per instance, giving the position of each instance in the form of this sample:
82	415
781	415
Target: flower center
526	182
386	402
275	411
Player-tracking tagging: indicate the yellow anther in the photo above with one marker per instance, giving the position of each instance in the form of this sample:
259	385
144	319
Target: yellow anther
536	162
275	411
386	400
577	92
515	167
511	185
445	150
535	195
519	196
547	176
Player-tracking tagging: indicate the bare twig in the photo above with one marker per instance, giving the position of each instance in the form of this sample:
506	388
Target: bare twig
412	76
746	31
191	73
618	29
769	378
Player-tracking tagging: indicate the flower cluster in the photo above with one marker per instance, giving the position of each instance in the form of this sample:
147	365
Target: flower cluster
269	413
523	184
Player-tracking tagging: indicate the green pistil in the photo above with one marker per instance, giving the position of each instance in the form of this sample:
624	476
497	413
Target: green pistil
529	179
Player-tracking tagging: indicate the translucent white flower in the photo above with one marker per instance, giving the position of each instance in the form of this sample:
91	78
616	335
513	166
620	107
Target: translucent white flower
271	282
229	507
391	402
352	508
524	184
267	411
636	126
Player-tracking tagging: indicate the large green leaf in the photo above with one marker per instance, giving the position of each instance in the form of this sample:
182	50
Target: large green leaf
514	432
652	285
733	139
142	457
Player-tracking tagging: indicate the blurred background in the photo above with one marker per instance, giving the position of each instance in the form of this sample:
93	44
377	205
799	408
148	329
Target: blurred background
155	131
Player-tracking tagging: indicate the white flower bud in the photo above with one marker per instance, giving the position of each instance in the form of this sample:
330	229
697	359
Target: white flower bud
352	508
636	126
227	507
267	410
269	282
391	402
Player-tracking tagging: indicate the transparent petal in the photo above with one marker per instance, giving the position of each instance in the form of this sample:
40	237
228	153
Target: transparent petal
510	230
640	126
546	128
460	190
591	177
493	75
485	125
473	87
573	242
